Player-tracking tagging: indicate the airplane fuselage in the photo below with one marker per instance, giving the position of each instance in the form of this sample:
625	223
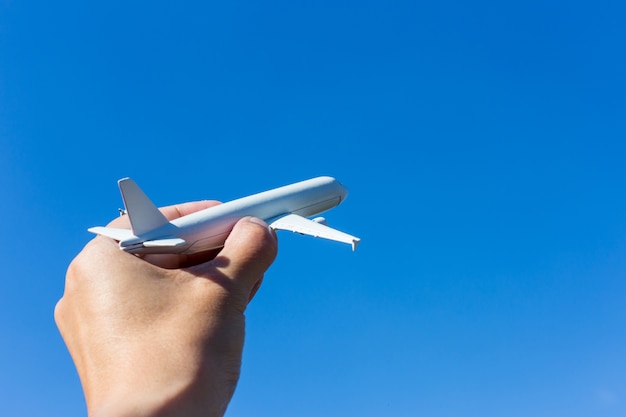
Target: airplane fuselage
208	229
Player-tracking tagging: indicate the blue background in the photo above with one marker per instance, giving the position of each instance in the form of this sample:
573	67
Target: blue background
483	144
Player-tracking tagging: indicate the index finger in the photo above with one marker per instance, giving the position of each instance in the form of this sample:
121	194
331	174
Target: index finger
170	212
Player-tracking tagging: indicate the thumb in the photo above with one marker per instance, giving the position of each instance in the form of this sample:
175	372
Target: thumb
248	252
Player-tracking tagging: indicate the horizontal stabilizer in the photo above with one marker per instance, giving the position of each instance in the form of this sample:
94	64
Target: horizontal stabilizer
305	226
164	243
112	232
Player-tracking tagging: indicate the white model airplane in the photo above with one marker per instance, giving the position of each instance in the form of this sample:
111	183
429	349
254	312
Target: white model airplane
284	208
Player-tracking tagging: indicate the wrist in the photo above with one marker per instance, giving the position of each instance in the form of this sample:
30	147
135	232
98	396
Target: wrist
175	403
158	390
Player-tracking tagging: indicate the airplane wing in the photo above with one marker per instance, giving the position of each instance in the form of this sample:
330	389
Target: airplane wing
305	226
112	232
123	234
171	242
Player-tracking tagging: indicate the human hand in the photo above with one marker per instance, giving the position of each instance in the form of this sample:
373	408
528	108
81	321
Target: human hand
163	335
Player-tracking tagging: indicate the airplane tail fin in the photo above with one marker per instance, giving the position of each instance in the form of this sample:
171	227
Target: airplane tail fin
144	216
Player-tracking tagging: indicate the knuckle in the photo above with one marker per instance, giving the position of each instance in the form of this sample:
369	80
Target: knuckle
59	312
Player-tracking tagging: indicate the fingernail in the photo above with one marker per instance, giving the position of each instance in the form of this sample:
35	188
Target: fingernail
260	222
257	221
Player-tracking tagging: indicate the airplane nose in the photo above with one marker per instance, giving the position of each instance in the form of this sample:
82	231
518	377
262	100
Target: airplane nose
343	191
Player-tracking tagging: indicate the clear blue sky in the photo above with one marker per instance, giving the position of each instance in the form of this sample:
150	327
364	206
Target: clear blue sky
483	143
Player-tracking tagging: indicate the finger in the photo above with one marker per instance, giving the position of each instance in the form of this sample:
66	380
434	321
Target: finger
175	261
255	289
179	210
170	212
250	248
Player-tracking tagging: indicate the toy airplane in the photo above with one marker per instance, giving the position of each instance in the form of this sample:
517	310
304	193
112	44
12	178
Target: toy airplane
284	208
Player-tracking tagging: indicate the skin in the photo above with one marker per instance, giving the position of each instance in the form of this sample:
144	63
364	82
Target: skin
162	335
